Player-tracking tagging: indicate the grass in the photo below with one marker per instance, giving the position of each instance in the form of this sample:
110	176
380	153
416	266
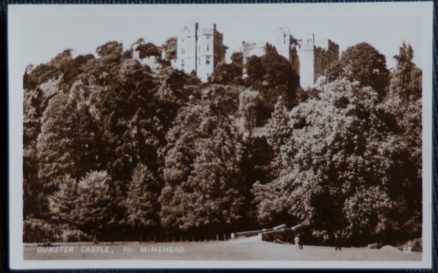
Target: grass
241	249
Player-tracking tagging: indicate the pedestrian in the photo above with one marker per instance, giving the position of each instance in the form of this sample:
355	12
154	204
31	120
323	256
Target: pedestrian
301	243
337	242
297	241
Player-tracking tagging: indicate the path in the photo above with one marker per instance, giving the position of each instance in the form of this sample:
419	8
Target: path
250	248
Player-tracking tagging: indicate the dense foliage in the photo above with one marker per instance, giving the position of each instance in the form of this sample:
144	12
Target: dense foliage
114	150
203	186
362	63
148	50
37	230
346	163
169	48
273	76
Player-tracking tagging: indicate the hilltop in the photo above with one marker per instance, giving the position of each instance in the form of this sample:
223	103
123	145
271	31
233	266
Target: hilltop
115	148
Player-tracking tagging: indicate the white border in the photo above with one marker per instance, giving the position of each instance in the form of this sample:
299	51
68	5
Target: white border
16	29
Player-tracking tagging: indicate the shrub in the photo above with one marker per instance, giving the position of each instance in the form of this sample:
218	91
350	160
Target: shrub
37	230
74	235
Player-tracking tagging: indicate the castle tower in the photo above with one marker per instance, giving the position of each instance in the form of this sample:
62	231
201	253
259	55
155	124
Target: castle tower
307	61
199	51
186	48
283	42
287	46
313	57
211	51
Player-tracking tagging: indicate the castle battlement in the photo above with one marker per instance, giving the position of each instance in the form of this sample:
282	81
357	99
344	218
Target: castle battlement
199	50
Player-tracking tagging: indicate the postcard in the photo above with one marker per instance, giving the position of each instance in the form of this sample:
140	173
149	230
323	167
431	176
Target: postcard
220	135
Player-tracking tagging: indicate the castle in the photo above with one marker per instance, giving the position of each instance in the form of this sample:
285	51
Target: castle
200	50
309	57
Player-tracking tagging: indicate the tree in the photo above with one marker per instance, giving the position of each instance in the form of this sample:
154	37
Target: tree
202	186
110	53
126	108
367	213
103	115
254	68
336	150
90	204
41	84
86	133
279	131
169	48
255	168
231	73
273	75
135	108
66	144
64	201
109	48
147	50
55	148
62	59
362	63
226	73
94	211
237	59
142	199
279	71
405	82
401	110
33	204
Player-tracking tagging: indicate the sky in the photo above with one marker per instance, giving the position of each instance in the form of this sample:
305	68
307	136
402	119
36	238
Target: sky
47	30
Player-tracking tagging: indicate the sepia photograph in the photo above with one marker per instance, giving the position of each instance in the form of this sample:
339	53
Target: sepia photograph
220	135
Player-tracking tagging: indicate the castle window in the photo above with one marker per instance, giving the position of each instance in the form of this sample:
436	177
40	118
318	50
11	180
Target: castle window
207	60
182	63
208	47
